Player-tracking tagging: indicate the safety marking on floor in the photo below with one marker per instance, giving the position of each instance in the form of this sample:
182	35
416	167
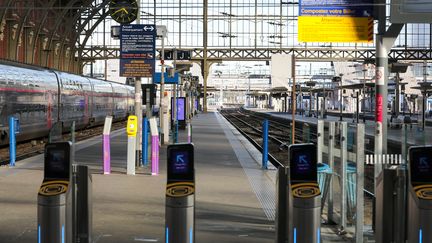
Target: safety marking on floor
261	185
144	239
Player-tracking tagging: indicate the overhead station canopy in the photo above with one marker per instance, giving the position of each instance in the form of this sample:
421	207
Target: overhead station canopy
424	87
277	90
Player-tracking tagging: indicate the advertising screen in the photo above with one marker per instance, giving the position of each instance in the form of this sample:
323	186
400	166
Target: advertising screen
303	163
181	109
420	164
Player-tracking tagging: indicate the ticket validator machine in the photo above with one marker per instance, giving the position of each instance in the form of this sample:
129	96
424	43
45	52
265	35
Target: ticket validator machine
180	194
55	195
304	200
420	194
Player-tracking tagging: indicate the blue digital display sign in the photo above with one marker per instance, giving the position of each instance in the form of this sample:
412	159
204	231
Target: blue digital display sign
181	110
420	161
303	163
180	164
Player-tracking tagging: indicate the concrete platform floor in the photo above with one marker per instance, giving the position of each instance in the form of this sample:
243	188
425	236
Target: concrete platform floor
132	208
234	196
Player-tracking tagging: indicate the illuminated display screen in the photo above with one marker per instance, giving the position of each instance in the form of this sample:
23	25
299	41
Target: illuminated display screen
303	163
180	163
181	109
181	112
56	163
420	163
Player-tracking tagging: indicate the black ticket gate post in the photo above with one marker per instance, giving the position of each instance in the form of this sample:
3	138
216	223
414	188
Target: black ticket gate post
55	195
420	194
390	204
82	204
298	200
180	194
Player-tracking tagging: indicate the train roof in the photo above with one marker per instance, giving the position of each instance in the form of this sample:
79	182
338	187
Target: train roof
38	68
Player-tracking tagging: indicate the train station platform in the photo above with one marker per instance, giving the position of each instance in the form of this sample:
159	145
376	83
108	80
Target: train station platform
394	135
235	198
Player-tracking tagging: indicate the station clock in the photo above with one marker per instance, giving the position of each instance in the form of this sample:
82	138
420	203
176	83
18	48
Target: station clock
123	11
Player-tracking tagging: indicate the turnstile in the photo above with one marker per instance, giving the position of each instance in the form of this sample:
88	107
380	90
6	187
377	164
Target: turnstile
299	197
180	194
55	195
64	198
420	194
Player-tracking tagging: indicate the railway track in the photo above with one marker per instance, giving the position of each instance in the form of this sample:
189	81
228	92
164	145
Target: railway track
250	125
36	146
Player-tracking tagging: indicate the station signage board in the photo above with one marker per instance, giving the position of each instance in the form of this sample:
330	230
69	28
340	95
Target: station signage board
336	21
181	55
167	79
137	50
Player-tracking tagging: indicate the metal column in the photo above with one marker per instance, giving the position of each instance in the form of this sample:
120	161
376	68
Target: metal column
204	65
360	159
320	142
265	129
331	145
343	175
281	220
138	103
12	142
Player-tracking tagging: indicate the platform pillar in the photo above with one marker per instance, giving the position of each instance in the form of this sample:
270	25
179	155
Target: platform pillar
265	129
12	142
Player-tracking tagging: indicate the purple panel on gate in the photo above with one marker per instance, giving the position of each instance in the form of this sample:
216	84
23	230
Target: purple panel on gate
106	154
155	155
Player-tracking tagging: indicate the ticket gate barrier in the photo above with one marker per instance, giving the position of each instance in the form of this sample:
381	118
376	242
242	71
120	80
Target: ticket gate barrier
64	198
299	197
420	194
390	203
82	204
180	194
55	195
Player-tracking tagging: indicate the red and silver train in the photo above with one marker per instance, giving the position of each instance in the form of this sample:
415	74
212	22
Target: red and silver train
40	97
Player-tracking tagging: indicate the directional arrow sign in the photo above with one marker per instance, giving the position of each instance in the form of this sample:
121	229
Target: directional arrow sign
148	28
424	162
179	158
303	159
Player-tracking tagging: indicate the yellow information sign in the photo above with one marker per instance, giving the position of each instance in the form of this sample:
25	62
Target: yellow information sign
335	29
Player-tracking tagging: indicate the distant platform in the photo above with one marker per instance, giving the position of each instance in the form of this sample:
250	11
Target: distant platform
394	135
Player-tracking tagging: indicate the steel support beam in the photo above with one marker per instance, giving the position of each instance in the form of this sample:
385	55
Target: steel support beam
250	54
205	67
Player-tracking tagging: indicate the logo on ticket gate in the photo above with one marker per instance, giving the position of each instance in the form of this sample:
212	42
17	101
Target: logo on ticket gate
180	189
424	192
132	126
53	188
305	190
